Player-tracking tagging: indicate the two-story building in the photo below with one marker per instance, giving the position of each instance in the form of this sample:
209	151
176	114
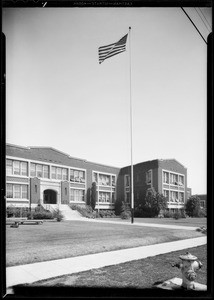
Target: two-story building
40	175
165	176
43	175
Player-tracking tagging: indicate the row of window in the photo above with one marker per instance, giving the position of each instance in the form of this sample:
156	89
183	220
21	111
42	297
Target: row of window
173	196
43	171
168	177
79	195
17	191
172	178
14	167
103	179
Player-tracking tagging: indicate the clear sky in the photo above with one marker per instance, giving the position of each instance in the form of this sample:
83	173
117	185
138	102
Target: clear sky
58	95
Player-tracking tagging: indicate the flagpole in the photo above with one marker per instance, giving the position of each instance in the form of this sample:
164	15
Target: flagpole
131	125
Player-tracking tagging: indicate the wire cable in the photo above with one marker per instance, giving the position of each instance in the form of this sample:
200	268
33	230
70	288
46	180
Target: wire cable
193	24
202	20
205	19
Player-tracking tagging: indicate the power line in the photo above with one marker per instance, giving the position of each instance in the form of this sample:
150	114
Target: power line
202	20
193	24
205	18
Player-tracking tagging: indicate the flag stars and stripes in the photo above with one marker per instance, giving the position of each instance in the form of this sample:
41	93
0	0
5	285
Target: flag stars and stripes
112	49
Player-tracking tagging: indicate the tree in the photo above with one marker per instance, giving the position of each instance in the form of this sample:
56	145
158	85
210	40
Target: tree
152	205
93	195
159	202
193	207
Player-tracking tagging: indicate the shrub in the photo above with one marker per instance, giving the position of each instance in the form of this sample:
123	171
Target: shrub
17	212
168	214
117	207
106	214
42	215
192	206
177	215
202	229
85	211
183	213
202	213
125	215
58	215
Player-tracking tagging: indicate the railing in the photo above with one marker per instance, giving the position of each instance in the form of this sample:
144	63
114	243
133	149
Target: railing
49	207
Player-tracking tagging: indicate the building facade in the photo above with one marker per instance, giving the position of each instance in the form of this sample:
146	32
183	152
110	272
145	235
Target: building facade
41	175
36	175
167	177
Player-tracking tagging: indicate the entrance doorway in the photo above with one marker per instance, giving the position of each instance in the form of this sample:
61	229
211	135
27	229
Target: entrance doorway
50	197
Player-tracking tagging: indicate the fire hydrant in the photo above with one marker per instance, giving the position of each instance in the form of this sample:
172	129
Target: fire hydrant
189	266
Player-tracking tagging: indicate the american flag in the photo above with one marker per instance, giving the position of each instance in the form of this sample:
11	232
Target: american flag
112	49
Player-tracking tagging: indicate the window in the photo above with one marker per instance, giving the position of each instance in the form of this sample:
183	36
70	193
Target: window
113	180
64	174
9	167
24	168
113	197
104	179
59	173
95	177
77	176
15	167
127	180
173	196
181	180
9	190
104	197
46	171
17	191
127	197
166	194
181	197
39	170
165	177
149	177
77	195
53	172
173	178
24	192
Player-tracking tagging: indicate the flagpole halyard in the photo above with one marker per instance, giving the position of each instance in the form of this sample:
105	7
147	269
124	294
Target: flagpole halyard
131	133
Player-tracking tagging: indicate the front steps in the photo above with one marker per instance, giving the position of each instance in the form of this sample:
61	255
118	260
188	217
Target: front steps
70	214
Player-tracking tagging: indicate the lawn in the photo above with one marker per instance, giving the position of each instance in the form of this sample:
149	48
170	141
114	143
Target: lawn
54	240
140	274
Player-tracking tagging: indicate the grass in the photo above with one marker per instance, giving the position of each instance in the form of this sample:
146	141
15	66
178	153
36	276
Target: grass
55	240
140	274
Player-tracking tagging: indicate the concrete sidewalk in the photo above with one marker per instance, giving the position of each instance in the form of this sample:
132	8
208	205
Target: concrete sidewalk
142	224
43	270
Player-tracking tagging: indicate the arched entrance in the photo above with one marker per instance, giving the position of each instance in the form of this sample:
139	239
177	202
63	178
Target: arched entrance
50	197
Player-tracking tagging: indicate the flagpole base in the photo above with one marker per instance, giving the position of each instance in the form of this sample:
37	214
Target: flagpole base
132	215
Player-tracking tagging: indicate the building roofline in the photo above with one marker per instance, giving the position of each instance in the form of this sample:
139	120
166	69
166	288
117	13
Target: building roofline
72	157
162	159
17	146
45	147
